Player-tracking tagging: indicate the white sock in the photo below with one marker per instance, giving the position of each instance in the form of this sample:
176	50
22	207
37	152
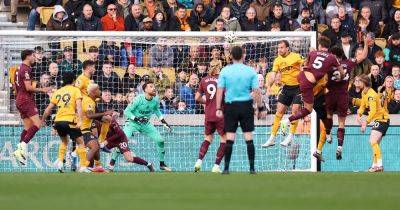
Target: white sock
319	151
339	148
24	147
199	162
379	162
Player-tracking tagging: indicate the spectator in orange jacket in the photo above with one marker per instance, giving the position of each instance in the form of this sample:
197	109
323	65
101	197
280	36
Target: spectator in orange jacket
112	22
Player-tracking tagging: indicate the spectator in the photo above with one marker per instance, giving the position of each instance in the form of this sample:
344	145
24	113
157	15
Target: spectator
99	8
396	76
139	88
41	63
74	9
333	32
170	7
109	52
392	51
180	81
189	63
130	97
187	92
383	66
363	67
60	21
159	22
182	108
106	102
378	10
134	19
180	22
147	24
131	54
123	7
376	77
386	91
200	15
181	51
278	17
317	12
161	54
291	8
305	13
36	6
348	46
305	25
42	99
160	79
94	56
231	24
150	7
202	70
394	104
273	93
262	8
68	64
55	77
14	10
355	92
372	22
87	21
168	101
111	21
239	8
393	25
362	30
131	80
332	9
275	27
346	21
186	3
216	57
219	25
119	103
372	47
108	79
250	22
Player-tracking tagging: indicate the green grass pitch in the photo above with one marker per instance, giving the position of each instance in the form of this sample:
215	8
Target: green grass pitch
202	191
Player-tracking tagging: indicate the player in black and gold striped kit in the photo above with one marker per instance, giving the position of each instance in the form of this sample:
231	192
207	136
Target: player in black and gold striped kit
378	115
288	65
68	120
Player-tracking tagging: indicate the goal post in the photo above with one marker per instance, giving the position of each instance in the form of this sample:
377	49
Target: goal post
163	57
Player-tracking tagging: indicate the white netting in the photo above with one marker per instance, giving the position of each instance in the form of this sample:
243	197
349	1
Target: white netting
176	64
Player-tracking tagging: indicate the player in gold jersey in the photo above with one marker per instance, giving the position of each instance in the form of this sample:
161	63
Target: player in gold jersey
378	115
83	80
68	120
288	65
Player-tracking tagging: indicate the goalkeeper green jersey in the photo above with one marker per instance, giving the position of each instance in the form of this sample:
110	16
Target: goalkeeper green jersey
141	107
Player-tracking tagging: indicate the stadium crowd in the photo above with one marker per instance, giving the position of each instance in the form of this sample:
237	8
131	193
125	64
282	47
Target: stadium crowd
347	23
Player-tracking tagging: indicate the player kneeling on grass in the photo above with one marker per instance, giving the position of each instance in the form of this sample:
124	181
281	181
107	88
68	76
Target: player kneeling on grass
116	138
208	87
138	114
378	115
68	120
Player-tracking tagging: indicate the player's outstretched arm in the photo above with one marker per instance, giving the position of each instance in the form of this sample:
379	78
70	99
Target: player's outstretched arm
47	111
364	53
79	112
30	88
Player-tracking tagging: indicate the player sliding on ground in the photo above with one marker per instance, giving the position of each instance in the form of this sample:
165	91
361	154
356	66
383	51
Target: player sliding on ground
377	114
68	120
138	114
288	65
208	88
116	138
318	64
26	105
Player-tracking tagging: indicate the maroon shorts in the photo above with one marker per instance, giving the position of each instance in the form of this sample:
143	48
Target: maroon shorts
306	88
337	102
27	109
211	126
121	144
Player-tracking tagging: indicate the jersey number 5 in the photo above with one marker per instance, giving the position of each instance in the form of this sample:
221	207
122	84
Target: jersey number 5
318	62
211	89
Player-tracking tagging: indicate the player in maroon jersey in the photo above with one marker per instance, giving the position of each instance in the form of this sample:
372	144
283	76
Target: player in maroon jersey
318	64
336	99
212	123
26	105
116	138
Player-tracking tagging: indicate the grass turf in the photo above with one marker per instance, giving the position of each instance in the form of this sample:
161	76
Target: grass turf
205	191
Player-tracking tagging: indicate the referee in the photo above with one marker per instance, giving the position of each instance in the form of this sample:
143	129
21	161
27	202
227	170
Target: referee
240	85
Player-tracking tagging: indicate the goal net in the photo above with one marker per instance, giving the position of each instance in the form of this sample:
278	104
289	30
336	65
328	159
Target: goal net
176	62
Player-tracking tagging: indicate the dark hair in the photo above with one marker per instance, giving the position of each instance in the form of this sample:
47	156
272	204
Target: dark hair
181	6
68	78
25	54
38	48
335	50
220	20
284	42
324	41
93	49
144	86
237	53
107	63
277	5
365	79
87	63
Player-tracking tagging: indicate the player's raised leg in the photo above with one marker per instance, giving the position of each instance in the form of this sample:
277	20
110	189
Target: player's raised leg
203	151
293	125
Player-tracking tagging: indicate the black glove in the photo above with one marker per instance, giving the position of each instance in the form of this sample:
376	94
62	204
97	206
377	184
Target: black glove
142	120
166	125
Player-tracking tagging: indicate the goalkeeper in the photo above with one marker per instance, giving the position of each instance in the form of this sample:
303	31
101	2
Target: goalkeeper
138	114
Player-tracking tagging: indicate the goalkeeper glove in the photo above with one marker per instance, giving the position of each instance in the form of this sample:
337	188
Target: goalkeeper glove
141	120
165	124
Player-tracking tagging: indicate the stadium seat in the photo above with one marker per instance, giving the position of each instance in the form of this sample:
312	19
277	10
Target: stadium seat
45	14
120	71
205	28
11	73
146	58
322	28
355	15
188	12
381	42
170	72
